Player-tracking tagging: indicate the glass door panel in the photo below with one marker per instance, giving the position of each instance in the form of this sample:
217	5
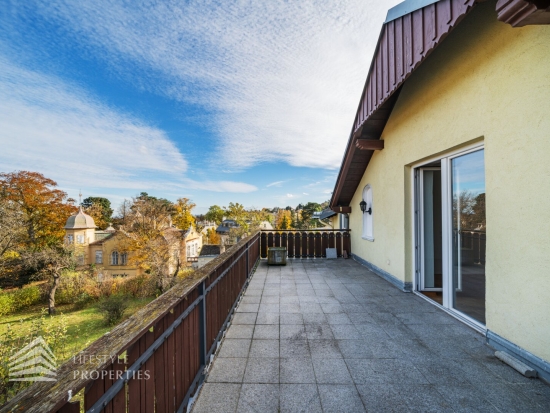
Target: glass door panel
468	234
431	245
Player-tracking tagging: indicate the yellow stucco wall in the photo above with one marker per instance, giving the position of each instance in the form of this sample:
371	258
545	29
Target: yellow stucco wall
486	82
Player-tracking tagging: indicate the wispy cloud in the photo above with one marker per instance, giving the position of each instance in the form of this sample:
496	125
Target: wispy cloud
282	78
58	129
277	184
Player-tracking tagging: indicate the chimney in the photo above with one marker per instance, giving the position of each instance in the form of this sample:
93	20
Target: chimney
222	246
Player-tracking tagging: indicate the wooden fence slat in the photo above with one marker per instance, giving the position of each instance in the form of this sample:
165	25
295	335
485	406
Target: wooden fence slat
304	244
318	246
324	247
339	244
311	245
70	407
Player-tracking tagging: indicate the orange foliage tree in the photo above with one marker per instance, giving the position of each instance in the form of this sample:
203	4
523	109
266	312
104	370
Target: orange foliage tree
45	208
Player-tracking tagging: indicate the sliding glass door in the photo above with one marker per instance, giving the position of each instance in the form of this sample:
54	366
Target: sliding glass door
469	236
450	232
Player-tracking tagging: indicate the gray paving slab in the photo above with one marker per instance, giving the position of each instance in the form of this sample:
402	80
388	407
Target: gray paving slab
302	398
234	348
256	398
329	335
336	398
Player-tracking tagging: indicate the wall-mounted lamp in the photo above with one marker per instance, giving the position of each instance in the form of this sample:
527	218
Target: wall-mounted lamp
363	206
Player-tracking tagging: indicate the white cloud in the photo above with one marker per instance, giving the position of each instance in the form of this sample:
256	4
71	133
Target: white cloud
305	193
283	79
277	184
289	196
66	134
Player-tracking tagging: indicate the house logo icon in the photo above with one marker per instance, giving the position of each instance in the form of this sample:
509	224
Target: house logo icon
34	362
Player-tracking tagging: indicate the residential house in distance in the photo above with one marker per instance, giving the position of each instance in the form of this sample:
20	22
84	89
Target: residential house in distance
446	173
193	244
106	249
208	253
223	231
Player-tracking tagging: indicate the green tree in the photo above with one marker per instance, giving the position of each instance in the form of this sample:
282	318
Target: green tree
215	214
99	209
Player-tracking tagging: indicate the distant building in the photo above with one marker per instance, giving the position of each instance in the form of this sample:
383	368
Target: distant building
208	253
106	248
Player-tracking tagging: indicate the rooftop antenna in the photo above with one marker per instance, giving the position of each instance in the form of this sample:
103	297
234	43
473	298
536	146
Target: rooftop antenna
80	197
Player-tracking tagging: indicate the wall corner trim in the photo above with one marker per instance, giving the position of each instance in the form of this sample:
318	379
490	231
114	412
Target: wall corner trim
396	282
541	366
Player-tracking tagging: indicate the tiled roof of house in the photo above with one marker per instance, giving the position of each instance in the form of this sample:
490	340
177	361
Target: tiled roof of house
209	250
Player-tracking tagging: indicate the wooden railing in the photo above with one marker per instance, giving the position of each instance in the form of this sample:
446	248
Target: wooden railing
308	243
167	346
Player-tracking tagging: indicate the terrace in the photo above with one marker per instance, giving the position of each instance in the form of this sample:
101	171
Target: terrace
314	335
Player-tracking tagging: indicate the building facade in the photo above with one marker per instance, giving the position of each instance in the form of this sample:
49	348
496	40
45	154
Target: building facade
447	171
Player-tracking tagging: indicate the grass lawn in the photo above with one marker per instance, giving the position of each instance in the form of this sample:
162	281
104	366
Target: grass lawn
83	326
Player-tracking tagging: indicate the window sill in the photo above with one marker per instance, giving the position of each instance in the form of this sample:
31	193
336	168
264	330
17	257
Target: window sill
371	239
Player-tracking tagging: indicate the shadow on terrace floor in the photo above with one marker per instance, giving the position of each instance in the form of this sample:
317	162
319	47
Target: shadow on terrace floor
331	336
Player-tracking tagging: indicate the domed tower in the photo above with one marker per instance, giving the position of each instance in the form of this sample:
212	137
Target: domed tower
80	231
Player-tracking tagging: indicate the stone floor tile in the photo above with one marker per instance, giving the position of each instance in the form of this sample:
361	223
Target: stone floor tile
306	308
291	318
244	318
251	299
338	319
365	371
292	332
247	308
464	398
324	349
318	332
264	332
332	308
269	308
290	308
340	398
256	398
264	348
270	299
240	331
234	347
297	370
217	397
331	371
262	370
227	370
402	398
303	398
294	348
345	331
289	299
315	318
267	318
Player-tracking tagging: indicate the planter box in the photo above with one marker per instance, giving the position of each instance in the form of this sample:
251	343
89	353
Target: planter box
276	256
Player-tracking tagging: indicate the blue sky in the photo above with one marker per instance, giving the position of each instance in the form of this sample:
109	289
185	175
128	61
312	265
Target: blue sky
241	101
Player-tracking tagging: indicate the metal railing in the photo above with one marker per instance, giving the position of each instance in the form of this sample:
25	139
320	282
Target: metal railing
167	346
306	243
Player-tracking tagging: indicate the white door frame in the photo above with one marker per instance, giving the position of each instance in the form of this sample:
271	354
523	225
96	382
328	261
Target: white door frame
447	245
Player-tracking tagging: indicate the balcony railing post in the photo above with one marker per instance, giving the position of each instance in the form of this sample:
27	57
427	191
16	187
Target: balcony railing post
202	324
247	260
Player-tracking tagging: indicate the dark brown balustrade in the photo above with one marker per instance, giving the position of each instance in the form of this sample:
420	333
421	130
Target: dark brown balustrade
167	345
306	243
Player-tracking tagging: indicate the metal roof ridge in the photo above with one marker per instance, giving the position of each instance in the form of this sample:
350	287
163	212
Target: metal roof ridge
406	7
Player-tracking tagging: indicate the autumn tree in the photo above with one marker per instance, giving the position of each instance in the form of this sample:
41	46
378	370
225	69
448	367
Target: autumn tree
99	209
44	208
182	217
146	222
307	212
212	237
284	219
50	263
215	214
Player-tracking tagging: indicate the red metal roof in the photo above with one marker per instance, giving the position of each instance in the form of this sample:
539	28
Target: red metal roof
411	32
403	45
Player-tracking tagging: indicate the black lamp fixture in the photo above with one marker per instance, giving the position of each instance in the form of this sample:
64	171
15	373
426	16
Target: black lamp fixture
363	206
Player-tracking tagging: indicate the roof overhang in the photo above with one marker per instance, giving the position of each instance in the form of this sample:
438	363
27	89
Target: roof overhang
413	29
